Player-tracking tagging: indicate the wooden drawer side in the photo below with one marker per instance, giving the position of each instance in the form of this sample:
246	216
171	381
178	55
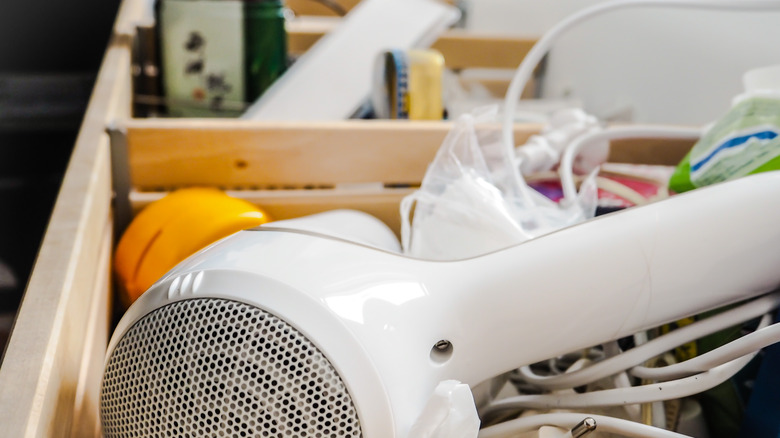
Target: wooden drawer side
48	372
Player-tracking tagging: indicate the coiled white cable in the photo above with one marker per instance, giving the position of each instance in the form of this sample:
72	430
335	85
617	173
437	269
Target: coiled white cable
655	347
569	420
613	133
543	45
621	380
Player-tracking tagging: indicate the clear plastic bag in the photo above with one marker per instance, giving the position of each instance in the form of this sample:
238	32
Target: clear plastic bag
473	199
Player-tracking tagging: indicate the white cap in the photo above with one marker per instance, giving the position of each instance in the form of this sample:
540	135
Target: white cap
760	82
764	78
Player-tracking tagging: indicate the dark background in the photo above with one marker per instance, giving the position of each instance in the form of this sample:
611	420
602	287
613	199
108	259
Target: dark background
50	52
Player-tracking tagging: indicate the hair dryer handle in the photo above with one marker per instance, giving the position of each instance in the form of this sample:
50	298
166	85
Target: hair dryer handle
620	274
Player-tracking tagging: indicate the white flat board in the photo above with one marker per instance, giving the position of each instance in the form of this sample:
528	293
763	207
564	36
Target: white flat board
334	77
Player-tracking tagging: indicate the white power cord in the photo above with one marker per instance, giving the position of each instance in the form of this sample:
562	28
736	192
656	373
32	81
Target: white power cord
757	340
670	390
569	420
655	347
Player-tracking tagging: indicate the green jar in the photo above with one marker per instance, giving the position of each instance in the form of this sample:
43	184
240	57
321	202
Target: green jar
266	44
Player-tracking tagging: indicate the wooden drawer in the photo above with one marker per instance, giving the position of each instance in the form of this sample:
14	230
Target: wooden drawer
53	364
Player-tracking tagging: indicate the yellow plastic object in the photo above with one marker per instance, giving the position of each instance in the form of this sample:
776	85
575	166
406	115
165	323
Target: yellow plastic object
426	67
173	228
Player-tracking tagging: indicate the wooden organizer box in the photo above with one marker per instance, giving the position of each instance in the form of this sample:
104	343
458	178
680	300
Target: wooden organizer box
51	372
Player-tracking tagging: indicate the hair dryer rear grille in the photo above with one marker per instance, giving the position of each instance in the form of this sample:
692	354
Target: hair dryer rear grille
218	368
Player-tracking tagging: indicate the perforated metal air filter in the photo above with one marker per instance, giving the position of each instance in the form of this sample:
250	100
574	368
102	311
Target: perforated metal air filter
218	368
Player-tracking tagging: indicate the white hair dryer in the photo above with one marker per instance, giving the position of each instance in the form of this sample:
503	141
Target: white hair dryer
285	331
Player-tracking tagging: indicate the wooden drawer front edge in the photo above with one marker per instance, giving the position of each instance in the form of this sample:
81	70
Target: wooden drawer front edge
235	154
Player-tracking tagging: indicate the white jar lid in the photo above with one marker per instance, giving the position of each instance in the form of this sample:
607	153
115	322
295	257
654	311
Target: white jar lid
764	78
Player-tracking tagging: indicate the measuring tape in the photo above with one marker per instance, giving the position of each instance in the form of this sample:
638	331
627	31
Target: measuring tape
408	85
